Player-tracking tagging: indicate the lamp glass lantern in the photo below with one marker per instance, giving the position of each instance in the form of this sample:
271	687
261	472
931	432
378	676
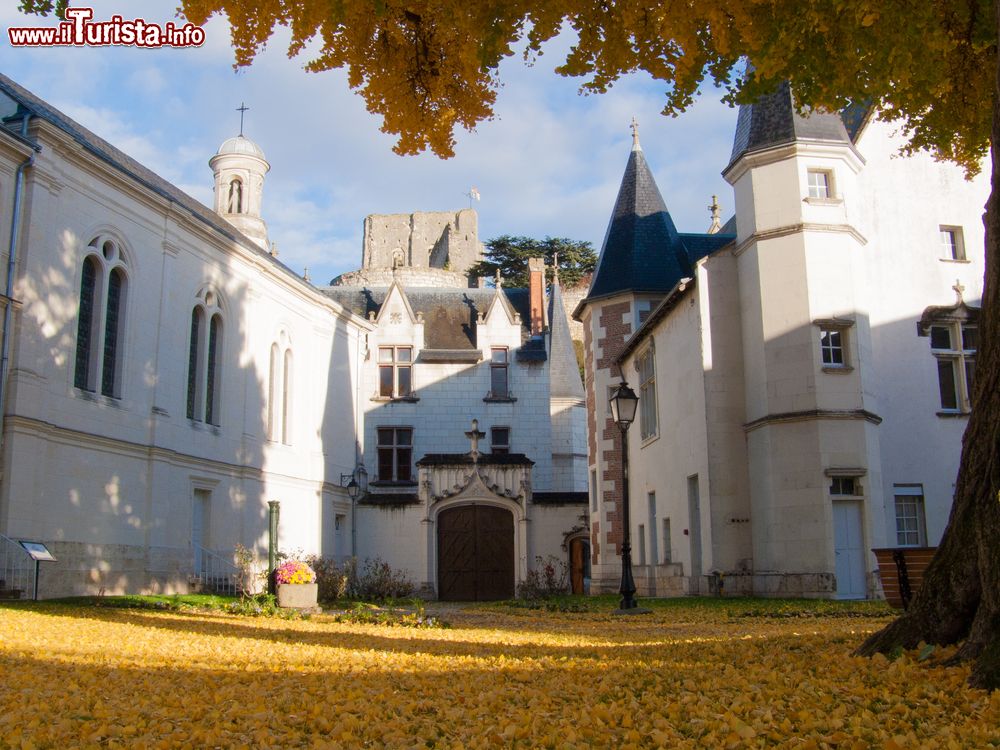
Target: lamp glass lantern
623	403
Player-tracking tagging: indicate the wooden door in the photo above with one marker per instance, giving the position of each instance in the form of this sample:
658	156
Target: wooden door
849	550
579	550
475	553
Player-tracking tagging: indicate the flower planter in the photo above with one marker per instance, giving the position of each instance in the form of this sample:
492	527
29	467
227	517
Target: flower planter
298	595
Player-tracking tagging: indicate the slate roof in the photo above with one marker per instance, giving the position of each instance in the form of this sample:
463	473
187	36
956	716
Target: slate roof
449	314
772	121
101	149
642	250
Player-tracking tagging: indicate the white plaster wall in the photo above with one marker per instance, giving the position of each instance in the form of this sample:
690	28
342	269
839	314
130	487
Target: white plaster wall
93	470
903	202
663	463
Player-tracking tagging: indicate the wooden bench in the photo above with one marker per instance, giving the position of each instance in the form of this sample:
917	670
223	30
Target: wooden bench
901	570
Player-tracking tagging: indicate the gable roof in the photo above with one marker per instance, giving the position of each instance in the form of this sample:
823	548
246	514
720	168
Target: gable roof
642	250
449	314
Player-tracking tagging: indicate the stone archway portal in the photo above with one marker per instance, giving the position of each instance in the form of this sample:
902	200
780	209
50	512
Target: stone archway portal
475	553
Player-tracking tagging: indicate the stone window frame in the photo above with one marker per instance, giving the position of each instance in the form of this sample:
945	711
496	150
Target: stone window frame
912	534
496	367
952	240
645	367
395	449
206	348
497	447
829	187
828	328
102	317
397	366
279	392
959	320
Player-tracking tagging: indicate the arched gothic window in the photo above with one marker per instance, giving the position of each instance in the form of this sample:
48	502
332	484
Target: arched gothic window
235	196
205	360
100	335
279	391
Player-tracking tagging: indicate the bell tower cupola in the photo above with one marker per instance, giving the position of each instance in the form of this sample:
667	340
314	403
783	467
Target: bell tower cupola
239	167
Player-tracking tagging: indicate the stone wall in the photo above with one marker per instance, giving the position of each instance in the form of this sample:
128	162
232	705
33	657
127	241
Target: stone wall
408	277
439	239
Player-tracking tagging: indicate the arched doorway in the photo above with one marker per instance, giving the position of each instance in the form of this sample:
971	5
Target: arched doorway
579	565
475	545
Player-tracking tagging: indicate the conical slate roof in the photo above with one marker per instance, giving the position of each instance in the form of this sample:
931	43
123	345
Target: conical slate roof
772	121
642	251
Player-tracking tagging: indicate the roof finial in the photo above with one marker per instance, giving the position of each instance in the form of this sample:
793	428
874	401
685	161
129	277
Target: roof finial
242	110
716	210
555	268
305	275
959	288
635	135
498	281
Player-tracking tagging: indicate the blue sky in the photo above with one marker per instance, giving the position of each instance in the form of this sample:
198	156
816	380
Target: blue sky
549	164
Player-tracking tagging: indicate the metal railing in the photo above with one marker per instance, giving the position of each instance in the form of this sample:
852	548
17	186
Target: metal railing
17	570
215	573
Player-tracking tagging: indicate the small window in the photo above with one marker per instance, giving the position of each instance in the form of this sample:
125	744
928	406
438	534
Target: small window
841	486
593	490
910	525
819	184
395	371
952	243
642	544
499	384
500	440
395	454
831	344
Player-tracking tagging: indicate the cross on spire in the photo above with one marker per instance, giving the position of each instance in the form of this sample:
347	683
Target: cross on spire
242	110
635	134
474	435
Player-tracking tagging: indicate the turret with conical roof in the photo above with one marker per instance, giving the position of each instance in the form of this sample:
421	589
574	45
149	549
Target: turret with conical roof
239	167
642	249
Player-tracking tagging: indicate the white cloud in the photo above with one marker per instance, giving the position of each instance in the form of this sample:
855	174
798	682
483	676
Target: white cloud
549	164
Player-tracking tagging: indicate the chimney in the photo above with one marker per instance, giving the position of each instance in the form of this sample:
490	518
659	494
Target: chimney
536	294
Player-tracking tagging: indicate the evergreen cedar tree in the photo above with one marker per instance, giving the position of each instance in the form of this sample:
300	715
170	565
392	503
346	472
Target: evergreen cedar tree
510	256
428	67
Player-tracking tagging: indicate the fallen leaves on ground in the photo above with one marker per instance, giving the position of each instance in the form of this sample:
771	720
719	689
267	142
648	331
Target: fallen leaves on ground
91	677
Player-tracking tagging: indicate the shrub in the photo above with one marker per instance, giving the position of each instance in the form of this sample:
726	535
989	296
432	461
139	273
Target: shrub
374	580
548	578
378	581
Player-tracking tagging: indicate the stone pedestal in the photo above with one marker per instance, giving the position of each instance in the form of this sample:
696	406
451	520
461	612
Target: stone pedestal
298	595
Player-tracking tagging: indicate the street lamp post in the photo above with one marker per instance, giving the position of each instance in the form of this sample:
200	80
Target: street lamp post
623	402
357	486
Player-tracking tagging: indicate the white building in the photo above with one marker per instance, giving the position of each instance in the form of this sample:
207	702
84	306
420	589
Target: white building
165	379
803	372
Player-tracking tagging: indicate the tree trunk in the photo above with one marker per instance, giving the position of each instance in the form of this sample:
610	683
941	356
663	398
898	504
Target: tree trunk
960	594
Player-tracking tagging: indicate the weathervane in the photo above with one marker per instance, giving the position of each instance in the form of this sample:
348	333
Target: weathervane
242	109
